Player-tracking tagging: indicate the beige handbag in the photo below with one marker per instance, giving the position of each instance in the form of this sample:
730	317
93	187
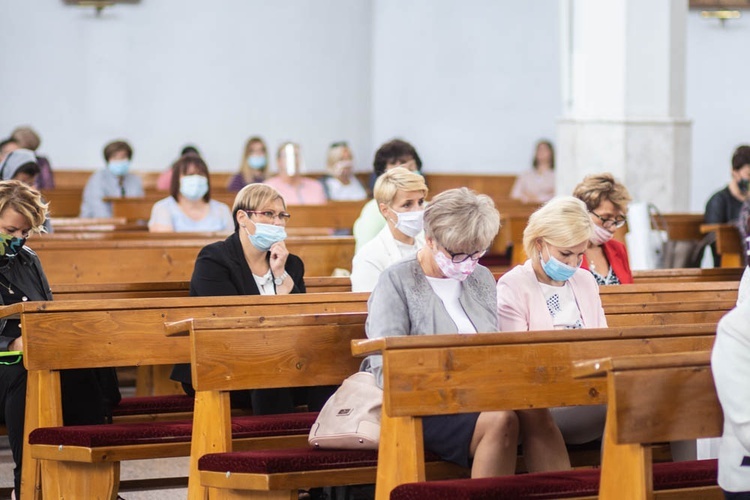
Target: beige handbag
350	419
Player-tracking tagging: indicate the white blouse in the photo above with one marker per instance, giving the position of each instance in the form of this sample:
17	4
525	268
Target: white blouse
562	306
449	290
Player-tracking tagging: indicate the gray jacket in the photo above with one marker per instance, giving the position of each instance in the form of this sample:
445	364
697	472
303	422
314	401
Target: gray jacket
403	303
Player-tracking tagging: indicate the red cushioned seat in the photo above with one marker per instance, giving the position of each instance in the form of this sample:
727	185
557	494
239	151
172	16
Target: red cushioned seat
153	404
546	485
92	436
288	460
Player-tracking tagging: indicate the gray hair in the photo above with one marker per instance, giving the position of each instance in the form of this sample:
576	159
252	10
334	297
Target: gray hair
562	222
461	220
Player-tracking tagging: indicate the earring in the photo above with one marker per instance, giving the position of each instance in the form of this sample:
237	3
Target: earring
242	225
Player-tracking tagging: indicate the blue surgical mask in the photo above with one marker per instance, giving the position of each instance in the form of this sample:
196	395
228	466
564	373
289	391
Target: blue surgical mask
556	270
193	187
266	235
256	162
119	167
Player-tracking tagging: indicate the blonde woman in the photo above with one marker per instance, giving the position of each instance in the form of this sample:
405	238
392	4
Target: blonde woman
550	291
400	194
340	184
252	166
607	202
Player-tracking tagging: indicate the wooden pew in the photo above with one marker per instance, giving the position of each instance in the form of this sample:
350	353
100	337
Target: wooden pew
131	259
728	244
497	187
139	290
688	275
337	215
680	404
128	332
63	202
126	328
446	374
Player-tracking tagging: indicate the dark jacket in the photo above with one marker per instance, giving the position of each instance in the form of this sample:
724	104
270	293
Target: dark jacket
221	269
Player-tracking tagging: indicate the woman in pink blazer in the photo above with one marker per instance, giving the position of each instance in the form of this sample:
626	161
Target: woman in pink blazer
551	291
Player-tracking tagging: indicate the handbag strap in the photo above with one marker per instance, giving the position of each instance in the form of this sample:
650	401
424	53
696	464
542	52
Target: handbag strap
658	221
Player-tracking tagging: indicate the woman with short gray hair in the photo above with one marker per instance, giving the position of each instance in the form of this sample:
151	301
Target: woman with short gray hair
444	290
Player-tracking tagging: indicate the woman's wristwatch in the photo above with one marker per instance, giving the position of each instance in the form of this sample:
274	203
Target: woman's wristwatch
278	281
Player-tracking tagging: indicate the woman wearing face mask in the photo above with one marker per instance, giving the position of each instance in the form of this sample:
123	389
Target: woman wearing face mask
252	166
400	195
444	290
340	184
114	181
88	395
550	291
253	261
190	207
607	202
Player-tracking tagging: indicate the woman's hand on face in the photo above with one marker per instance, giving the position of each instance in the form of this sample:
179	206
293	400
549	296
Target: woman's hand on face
279	253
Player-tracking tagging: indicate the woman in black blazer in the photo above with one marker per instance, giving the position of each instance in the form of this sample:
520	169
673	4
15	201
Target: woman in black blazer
252	261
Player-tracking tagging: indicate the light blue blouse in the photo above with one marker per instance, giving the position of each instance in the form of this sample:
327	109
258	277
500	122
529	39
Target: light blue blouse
168	213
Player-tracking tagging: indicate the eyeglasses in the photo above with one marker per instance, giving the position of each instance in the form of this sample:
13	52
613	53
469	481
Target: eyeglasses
269	215
608	223
457	258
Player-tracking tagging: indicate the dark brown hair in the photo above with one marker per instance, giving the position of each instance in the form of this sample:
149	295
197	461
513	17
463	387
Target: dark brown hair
181	166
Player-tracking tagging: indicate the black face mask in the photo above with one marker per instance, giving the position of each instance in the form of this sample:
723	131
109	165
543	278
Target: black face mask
744	185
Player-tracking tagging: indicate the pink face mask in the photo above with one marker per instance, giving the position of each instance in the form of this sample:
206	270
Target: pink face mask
457	271
600	236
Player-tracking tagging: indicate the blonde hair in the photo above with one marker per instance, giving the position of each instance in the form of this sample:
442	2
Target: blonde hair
461	220
596	188
26	201
335	155
561	222
395	180
252	197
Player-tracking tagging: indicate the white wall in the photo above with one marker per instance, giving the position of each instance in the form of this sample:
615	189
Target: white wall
718	100
472	83
166	72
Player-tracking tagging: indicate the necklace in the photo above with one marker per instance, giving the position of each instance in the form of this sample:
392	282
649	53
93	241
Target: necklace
8	287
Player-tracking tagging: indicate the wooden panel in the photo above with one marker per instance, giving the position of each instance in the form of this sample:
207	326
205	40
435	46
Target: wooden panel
450	380
130	332
728	244
495	186
63	202
134	259
668	292
684	226
308	351
688	275
662	413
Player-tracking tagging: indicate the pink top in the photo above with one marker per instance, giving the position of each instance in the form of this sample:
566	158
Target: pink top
521	305
306	192
534	186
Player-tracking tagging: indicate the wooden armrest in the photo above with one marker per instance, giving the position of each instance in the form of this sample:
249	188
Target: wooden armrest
12	311
362	348
600	367
178	328
710	228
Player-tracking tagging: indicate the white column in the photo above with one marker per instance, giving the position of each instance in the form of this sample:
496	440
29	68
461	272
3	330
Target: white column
623	85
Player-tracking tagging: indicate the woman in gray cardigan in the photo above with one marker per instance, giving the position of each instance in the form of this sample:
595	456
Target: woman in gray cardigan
444	290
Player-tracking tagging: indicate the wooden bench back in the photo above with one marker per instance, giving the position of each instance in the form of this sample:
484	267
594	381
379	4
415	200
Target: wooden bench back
679	404
446	374
166	259
272	351
129	332
729	245
688	275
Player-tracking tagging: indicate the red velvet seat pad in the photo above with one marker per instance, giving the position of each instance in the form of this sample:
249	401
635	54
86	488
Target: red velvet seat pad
290	460
545	485
92	436
153	404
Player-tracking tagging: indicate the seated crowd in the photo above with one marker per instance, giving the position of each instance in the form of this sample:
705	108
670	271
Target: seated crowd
419	258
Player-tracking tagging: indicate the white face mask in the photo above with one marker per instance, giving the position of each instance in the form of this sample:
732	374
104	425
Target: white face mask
409	223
